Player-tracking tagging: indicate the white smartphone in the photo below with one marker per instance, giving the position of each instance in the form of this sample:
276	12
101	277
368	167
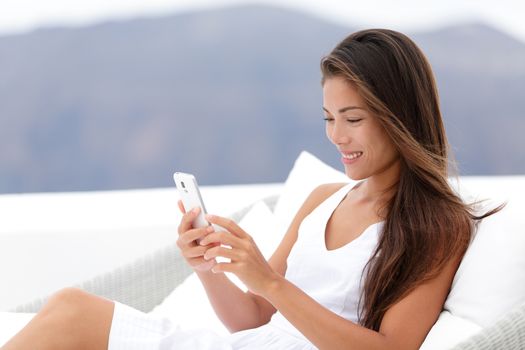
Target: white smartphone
191	196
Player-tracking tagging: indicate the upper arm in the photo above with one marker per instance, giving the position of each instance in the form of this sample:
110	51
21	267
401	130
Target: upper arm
407	322
278	259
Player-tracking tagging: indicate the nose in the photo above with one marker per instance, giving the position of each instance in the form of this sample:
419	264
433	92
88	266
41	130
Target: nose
338	134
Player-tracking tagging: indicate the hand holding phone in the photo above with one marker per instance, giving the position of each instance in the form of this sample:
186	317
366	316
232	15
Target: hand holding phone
191	196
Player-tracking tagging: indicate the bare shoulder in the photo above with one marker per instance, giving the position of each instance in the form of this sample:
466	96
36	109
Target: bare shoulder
321	193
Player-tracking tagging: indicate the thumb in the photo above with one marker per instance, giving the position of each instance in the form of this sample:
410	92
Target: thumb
181	207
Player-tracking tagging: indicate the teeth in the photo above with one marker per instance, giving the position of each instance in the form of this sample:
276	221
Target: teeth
352	155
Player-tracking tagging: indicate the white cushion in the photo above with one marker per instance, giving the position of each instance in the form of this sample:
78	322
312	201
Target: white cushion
188	305
448	331
491	278
307	173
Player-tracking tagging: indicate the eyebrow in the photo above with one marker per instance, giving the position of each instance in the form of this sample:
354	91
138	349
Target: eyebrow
345	109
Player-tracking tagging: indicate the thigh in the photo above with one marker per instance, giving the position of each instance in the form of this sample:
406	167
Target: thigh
71	319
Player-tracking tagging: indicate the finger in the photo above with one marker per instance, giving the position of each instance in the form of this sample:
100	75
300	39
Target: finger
222	237
187	220
201	264
223	267
228	224
223	252
194	234
181	207
195	252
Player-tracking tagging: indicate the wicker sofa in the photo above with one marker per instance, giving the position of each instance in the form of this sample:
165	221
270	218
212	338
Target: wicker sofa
144	283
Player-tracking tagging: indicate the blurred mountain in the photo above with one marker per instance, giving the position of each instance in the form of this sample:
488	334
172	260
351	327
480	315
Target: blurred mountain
481	74
231	95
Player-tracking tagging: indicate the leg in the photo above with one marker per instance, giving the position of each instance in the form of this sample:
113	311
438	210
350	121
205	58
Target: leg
72	319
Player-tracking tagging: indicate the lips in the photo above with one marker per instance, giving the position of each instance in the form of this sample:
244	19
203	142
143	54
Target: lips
351	155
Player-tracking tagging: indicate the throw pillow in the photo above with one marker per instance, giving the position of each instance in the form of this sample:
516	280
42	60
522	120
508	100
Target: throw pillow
448	331
307	173
490	280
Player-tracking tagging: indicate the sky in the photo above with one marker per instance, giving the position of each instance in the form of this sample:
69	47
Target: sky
24	15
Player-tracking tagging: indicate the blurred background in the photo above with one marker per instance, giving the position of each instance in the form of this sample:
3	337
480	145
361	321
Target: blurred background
100	95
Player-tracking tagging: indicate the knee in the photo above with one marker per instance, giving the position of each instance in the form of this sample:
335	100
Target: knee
80	318
69	296
67	302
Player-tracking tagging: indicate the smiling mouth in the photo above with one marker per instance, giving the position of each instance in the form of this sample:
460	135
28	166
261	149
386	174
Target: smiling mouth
352	155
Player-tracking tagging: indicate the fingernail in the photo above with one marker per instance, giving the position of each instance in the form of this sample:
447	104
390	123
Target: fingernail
210	229
196	210
202	242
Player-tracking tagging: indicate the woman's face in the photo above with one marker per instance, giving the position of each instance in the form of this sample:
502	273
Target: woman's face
365	147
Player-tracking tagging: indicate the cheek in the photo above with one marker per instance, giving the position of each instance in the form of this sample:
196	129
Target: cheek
328	132
388	149
380	145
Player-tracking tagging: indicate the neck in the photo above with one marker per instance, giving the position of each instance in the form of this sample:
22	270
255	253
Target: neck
382	186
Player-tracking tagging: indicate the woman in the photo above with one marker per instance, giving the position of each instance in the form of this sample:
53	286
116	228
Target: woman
363	267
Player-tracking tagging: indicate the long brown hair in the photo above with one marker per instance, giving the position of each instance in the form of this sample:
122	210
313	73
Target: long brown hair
427	224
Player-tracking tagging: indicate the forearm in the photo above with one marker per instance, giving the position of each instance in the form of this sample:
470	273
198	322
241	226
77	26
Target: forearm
236	309
325	329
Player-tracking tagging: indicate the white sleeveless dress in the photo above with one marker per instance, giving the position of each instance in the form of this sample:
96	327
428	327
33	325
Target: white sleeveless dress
331	277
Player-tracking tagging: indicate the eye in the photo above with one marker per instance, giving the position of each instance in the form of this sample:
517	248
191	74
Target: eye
328	119
354	120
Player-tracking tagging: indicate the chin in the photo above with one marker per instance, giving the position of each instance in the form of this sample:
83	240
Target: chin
353	176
